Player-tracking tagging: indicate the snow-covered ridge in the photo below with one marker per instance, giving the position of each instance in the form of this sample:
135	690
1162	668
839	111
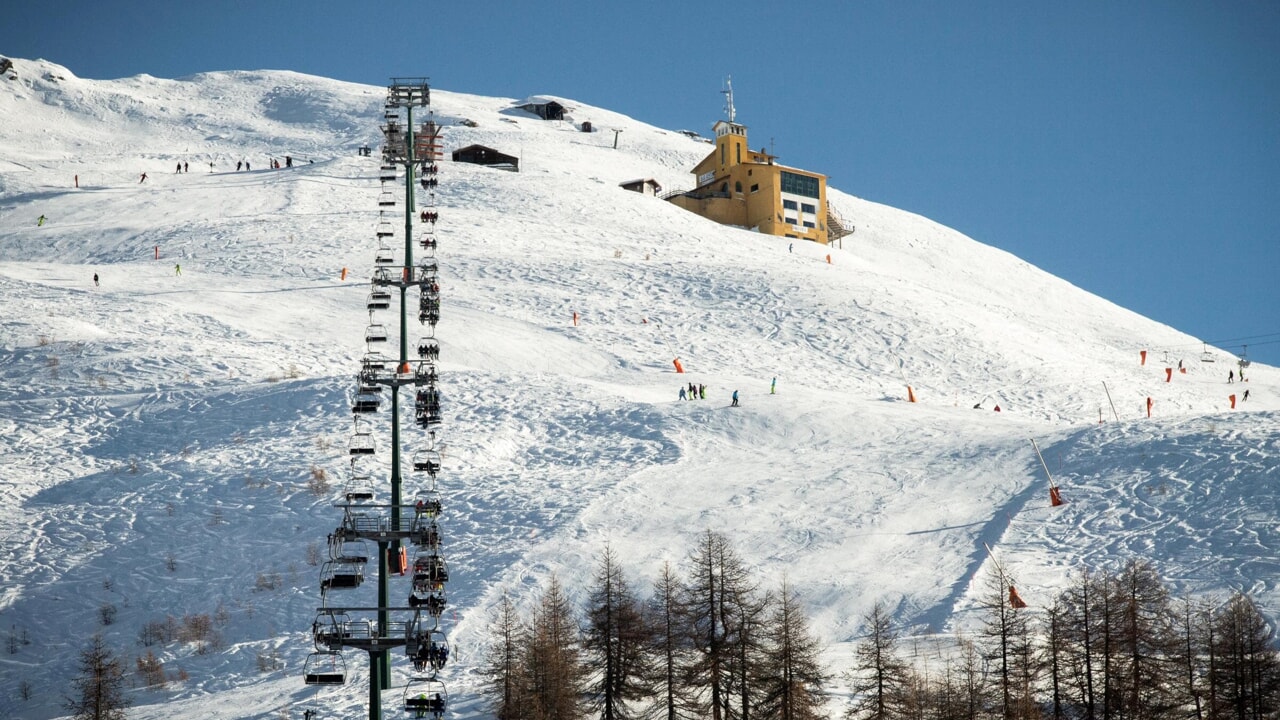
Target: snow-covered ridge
163	421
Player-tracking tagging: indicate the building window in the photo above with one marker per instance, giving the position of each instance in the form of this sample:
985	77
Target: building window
789	204
793	237
722	151
737	150
808	208
803	185
756	186
737	187
792	221
808	224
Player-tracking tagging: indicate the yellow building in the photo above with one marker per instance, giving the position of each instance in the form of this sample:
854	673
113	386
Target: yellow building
740	186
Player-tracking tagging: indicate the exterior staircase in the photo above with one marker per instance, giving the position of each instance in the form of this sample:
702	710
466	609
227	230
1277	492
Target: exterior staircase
836	227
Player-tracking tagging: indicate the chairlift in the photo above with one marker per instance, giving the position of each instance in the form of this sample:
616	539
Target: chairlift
425	698
385	256
324	668
340	575
429	348
425	374
362	441
351	551
1244	357
427	647
427	461
374	362
366	400
433	602
1206	356
359	488
428	504
376	333
387	199
429	309
429	569
384	229
426	535
329	629
378	301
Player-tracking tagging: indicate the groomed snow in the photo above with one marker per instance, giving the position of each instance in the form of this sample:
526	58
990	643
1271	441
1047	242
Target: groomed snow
163	420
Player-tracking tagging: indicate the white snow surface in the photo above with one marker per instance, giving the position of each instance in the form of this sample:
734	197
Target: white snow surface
165	420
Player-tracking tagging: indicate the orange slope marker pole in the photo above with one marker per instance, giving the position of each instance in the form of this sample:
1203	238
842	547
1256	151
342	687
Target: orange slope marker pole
911	395
1144	357
1015	600
1055	497
1232	397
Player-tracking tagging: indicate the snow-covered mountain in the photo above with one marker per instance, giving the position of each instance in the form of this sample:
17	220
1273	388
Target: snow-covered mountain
159	431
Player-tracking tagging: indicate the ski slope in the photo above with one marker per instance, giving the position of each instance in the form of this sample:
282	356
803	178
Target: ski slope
158	431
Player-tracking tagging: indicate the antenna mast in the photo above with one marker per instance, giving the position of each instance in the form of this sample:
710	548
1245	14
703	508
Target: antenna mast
728	93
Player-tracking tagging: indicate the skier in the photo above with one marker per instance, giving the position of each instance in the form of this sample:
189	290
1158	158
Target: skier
773	387
179	168
238	164
95	279
144	179
735	399
177	269
1231	376
791	247
40	221
1246	394
682	395
702	391
186	167
246	166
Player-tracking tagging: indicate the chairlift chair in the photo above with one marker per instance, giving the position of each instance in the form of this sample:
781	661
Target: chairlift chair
375	333
329	629
378	301
366	400
426	536
425	698
387	199
429	348
427	461
340	575
1244	357
1206	356
362	442
359	486
351	551
324	668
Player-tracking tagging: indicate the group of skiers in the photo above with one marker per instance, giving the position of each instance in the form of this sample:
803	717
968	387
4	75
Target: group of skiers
698	391
693	391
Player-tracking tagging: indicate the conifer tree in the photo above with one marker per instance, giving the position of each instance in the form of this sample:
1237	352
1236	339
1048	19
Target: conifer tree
1145	640
880	677
791	675
717	584
99	689
616	641
668	644
552	668
502	669
1008	643
1246	674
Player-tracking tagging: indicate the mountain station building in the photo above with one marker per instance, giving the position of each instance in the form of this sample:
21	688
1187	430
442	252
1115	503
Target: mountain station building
740	186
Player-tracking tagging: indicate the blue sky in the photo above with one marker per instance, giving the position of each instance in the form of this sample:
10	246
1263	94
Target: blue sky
1131	148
